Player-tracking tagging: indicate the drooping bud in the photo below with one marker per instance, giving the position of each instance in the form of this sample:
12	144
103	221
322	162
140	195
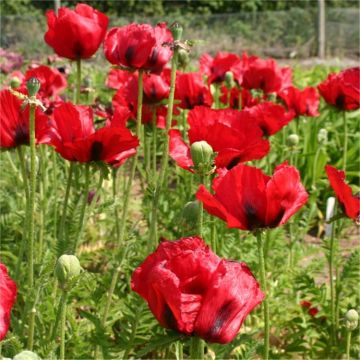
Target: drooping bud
229	80
15	82
352	319
190	213
183	58
176	30
67	267
322	136
292	140
201	154
33	86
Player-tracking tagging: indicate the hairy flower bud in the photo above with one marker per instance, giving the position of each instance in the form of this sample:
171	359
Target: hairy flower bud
190	213
201	154
67	267
15	82
33	86
292	140
176	30
322	136
26	355
352	319
183	58
229	80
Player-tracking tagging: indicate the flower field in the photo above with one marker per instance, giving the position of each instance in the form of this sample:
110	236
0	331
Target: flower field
161	206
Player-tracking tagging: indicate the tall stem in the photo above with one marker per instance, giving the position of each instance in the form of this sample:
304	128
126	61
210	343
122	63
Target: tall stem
78	81
32	315
32	189
201	212
65	203
262	265
332	284
126	197
196	348
165	157
83	207
348	344
154	143
345	140
62	324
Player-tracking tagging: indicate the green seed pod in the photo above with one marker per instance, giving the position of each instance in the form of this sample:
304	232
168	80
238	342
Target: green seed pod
292	140
15	82
33	86
322	136
67	267
229	80
26	355
176	30
201	154
352	319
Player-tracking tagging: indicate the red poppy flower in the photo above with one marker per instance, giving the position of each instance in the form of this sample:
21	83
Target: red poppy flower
349	202
191	91
139	46
191	290
51	80
248	199
14	121
76	34
8	291
301	102
231	97
216	68
240	141
266	75
342	90
81	142
270	117
312	311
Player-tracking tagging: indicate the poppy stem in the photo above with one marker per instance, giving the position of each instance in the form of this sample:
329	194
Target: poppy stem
345	140
348	344
62	324
262	265
30	343
61	233
126	202
196	348
78	81
154	142
201	211
83	207
32	189
165	157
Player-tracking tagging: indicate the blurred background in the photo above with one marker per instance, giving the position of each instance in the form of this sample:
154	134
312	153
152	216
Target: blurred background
282	29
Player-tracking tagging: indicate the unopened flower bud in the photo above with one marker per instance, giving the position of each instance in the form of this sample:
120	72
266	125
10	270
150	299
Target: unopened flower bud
190	212
15	82
26	355
322	136
201	154
229	80
176	30
352	319
183	58
67	267
292	140
33	86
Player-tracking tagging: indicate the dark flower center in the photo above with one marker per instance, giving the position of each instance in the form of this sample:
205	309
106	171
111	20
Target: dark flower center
222	316
21	135
169	318
129	55
340	101
96	150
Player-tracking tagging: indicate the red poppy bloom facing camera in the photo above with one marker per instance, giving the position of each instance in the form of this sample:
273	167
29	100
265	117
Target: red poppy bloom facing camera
342	90
81	142
301	102
8	293
139	46
349	202
191	290
14	130
247	199
240	141
76	34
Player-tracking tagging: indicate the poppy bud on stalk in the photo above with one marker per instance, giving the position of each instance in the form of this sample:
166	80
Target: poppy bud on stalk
190	213
201	154
229	80
33	86
352	319
322	136
26	355
67	267
15	82
176	30
183	58
292	140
